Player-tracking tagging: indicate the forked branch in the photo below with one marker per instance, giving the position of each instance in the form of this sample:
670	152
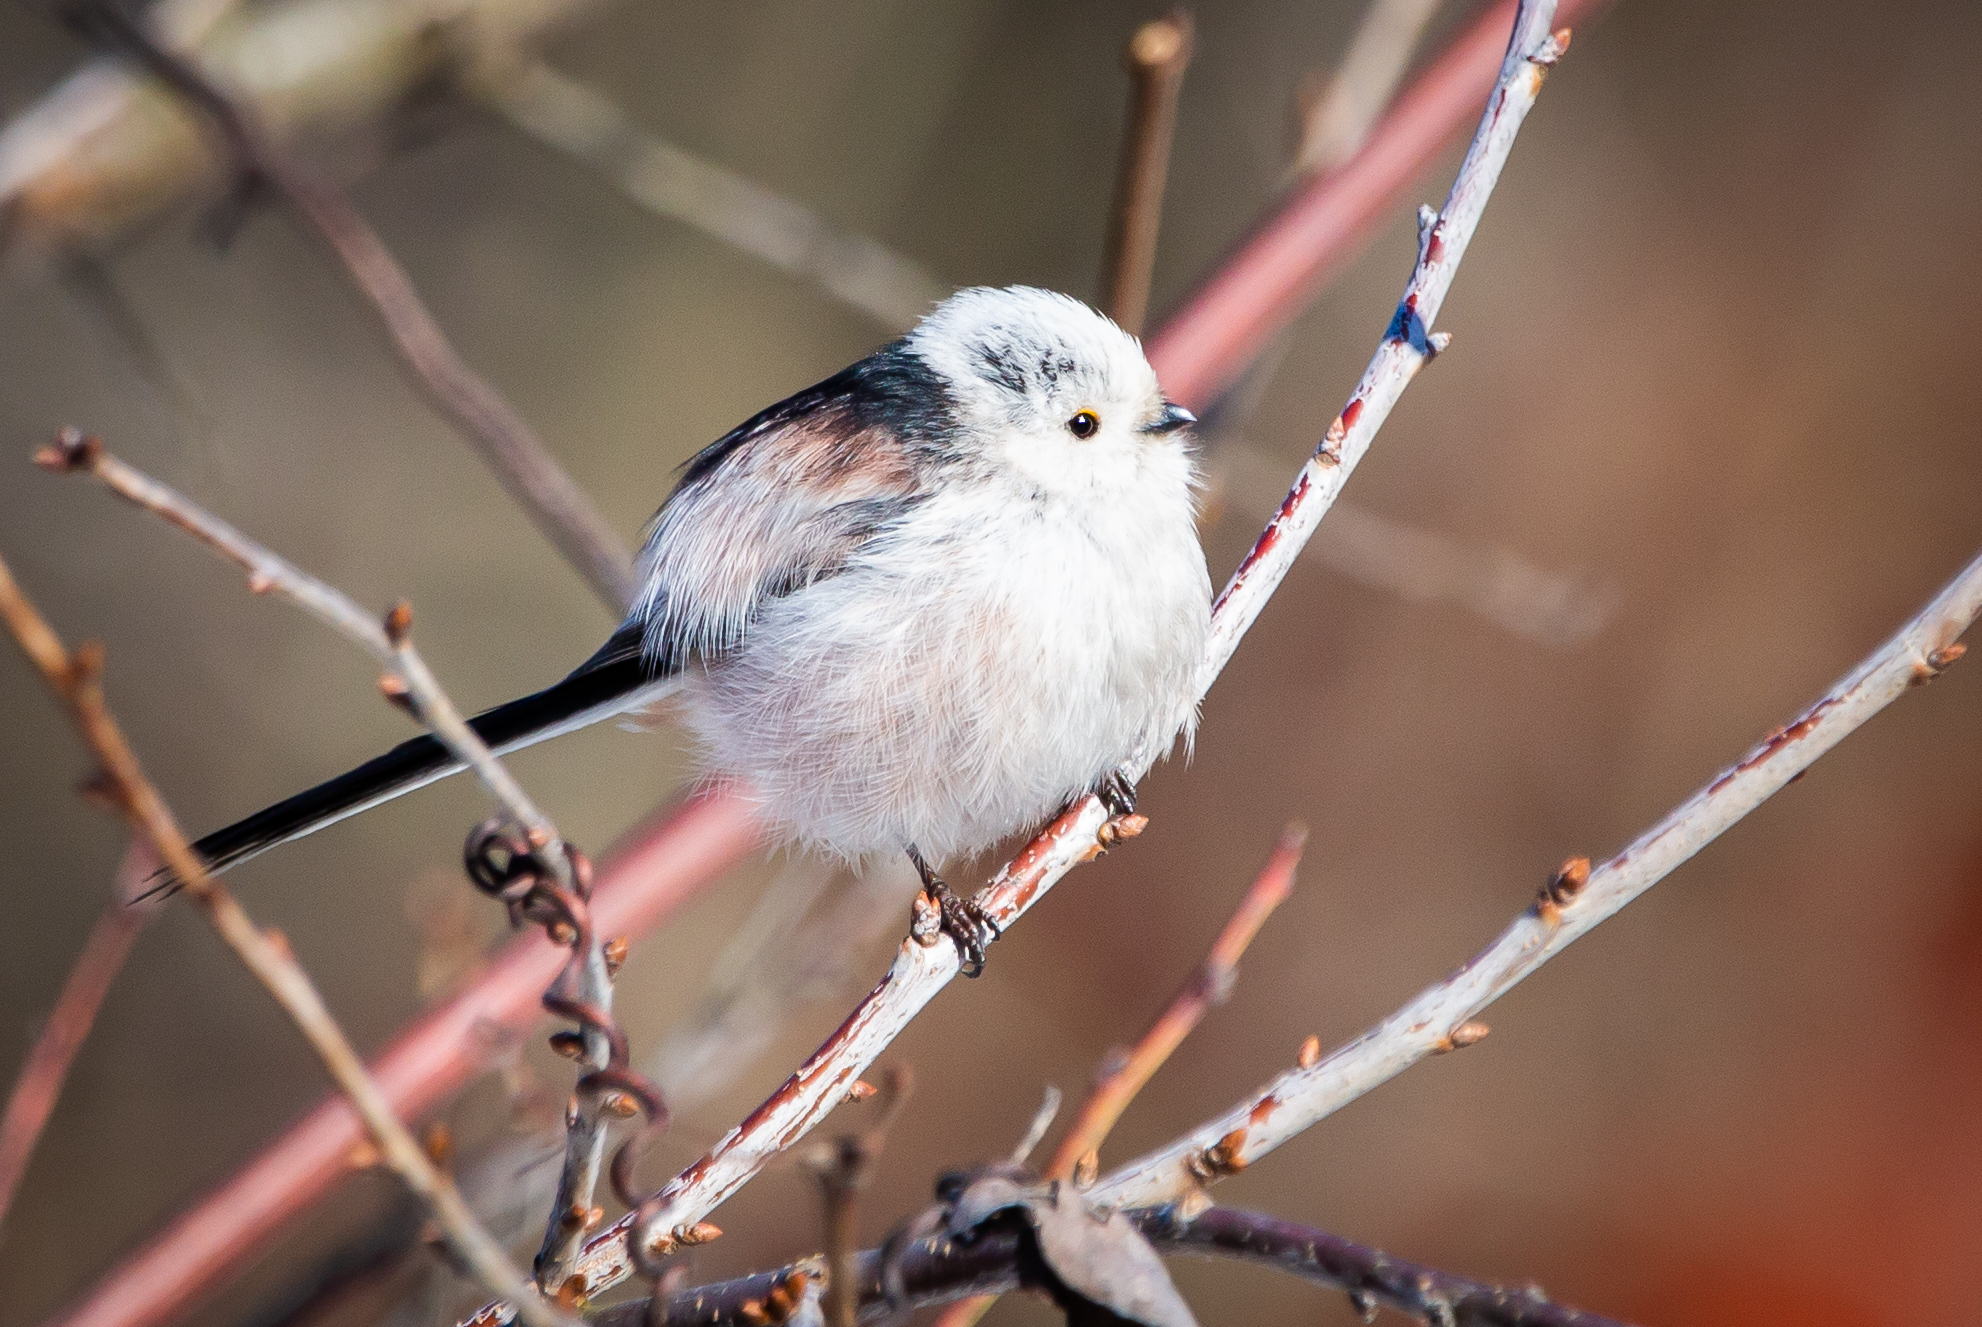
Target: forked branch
539	876
75	679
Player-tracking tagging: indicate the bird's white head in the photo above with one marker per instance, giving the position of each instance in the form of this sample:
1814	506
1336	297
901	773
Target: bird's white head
1057	391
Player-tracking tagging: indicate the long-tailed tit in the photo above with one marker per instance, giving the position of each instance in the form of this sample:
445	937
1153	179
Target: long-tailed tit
918	607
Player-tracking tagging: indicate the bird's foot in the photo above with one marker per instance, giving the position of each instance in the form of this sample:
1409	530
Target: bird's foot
1117	794
968	925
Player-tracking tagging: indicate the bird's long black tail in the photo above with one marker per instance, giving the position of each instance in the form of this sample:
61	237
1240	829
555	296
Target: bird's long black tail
613	681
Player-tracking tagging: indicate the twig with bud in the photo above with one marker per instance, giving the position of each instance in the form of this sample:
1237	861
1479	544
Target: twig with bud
76	680
1444	1017
1077	1156
520	858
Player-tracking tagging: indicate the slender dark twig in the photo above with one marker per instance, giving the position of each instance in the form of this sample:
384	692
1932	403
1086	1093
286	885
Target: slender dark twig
1156	58
507	444
942	1269
1367	1276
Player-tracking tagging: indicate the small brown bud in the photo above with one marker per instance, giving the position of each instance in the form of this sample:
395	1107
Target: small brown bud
72	449
399	623
102	792
1938	660
702	1232
571	1294
86	661
1310	1053
260	582
437	1141
860	1091
615	955
1466	1034
1563	886
571	1045
752	1313
561	933
926	924
1222	1158
1087	1169
363	1155
620	1104
396	692
1159	42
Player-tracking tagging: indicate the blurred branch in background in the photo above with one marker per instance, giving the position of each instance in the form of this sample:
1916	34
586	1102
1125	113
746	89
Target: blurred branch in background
571	118
1337	109
506	442
75	679
761	975
46	1068
110	149
1156	58
657	868
1422	566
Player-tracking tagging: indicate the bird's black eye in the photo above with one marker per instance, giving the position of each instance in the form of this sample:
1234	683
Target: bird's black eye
1084	425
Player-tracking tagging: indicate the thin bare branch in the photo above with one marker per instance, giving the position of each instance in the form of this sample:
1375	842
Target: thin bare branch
574	119
925	964
75	681
389	641
943	1270
655	870
1338	111
1370	1278
584	993
1209	986
505	441
1552	608
1442	1017
39	1085
1156	57
1076	1155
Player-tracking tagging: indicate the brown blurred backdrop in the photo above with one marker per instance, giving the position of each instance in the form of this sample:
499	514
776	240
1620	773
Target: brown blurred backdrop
1715	348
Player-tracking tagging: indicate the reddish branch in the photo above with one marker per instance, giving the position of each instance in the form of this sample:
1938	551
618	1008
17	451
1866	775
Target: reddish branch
506	442
1312	235
47	1066
1208	343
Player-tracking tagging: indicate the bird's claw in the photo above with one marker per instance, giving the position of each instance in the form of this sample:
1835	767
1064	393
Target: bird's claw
967	924
1117	794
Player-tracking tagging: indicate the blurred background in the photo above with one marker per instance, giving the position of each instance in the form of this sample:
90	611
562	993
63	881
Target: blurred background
1712	394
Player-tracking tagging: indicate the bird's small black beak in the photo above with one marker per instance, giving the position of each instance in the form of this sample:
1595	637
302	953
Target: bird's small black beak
1169	419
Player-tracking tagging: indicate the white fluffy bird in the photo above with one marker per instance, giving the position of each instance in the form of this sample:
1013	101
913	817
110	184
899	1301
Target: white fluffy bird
918	607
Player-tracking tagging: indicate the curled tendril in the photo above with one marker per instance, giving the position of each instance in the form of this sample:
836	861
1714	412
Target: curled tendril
503	863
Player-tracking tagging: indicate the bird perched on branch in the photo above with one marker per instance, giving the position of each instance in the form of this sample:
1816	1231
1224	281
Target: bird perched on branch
916	608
